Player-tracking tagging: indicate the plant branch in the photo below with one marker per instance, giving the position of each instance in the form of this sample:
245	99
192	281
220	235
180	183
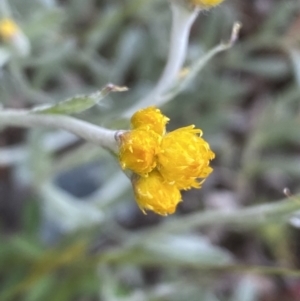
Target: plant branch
182	20
200	64
244	218
83	129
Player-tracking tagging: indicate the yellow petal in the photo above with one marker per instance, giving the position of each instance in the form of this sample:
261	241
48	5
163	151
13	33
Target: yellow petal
205	3
184	158
8	29
155	194
138	150
150	118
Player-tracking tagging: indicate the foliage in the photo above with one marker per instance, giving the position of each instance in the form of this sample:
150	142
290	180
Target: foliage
69	227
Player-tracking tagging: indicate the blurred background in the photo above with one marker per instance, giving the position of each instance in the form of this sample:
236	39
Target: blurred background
70	229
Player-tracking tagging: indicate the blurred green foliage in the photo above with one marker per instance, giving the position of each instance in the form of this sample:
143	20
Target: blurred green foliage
94	243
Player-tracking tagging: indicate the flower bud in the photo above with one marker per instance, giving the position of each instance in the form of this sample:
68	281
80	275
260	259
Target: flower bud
185	157
155	194
138	150
150	118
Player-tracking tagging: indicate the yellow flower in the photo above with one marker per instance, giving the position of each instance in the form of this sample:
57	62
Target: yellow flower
155	194
205	3
138	150
150	118
8	29
184	158
163	164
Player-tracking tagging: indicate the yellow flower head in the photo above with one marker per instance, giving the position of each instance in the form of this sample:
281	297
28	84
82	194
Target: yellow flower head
138	150
205	3
150	118
163	164
153	193
184	157
8	29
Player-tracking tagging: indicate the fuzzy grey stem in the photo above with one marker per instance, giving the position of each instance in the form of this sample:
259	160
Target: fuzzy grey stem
181	25
83	129
4	9
182	20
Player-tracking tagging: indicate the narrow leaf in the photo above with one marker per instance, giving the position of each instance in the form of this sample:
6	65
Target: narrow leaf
78	103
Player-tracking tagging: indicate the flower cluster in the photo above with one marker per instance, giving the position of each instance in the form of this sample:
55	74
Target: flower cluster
11	34
205	4
8	29
163	163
